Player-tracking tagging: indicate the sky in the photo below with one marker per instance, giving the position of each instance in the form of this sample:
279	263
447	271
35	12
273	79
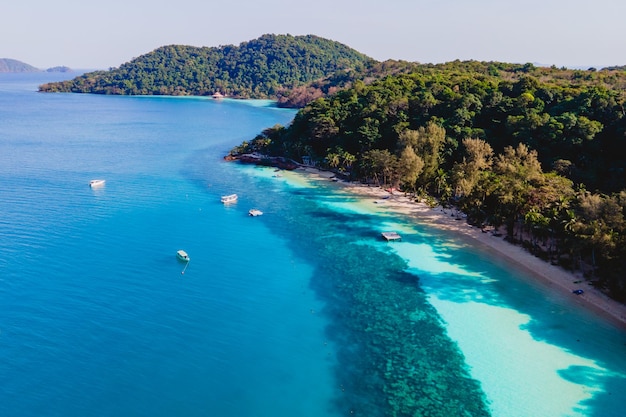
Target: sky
84	34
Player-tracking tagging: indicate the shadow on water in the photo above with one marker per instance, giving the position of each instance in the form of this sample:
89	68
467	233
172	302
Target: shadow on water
551	318
608	400
394	356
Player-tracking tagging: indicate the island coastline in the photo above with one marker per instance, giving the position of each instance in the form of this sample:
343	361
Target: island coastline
448	219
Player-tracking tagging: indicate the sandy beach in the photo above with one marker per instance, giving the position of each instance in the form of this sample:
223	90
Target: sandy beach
552	275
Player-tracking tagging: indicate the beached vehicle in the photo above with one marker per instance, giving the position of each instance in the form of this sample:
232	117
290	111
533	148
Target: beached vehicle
231	198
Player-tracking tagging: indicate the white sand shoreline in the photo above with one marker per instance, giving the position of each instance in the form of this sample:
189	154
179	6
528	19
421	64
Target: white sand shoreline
555	276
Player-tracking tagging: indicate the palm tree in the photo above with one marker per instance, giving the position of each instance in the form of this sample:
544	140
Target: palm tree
347	159
441	181
572	237
537	225
333	160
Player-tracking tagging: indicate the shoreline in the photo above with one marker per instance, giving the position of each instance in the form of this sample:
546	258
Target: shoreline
448	219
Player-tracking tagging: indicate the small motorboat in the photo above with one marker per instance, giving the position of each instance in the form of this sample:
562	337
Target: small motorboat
231	198
391	236
182	255
96	183
255	212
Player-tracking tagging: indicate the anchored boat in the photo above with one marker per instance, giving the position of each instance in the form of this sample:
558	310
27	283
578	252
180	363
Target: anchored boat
182	255
231	198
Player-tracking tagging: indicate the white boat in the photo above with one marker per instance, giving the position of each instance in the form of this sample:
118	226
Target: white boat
255	212
182	255
231	198
391	236
96	183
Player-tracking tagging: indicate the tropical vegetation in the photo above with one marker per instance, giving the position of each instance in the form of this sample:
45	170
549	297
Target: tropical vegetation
538	152
259	68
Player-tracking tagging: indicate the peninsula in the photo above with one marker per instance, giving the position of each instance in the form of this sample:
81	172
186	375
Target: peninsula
533	152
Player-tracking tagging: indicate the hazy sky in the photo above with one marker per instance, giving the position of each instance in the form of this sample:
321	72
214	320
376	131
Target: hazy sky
84	34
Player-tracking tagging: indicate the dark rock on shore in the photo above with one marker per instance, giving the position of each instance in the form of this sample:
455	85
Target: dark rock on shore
271	161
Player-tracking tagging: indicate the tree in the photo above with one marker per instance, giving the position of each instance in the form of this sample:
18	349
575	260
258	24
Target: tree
442	187
369	133
333	159
603	217
409	166
429	148
478	158
347	160
379	164
518	169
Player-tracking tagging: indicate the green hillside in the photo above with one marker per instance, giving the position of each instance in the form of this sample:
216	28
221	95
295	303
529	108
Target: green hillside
565	115
538	152
259	68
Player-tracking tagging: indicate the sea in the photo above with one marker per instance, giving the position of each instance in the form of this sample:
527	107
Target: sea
304	311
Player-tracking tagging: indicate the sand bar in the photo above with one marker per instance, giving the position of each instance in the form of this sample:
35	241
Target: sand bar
446	219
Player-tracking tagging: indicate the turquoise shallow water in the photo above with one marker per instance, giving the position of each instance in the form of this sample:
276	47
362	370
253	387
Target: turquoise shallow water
535	351
302	311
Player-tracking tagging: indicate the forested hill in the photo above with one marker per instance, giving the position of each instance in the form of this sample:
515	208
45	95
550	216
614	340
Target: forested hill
255	69
574	119
539	151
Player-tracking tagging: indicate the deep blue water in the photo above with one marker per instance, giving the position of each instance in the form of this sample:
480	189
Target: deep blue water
301	311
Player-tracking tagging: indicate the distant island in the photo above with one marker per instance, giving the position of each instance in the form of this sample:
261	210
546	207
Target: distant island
293	70
266	67
60	69
13	65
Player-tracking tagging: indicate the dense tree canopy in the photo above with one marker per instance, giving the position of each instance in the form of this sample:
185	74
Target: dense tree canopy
576	124
511	145
259	68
